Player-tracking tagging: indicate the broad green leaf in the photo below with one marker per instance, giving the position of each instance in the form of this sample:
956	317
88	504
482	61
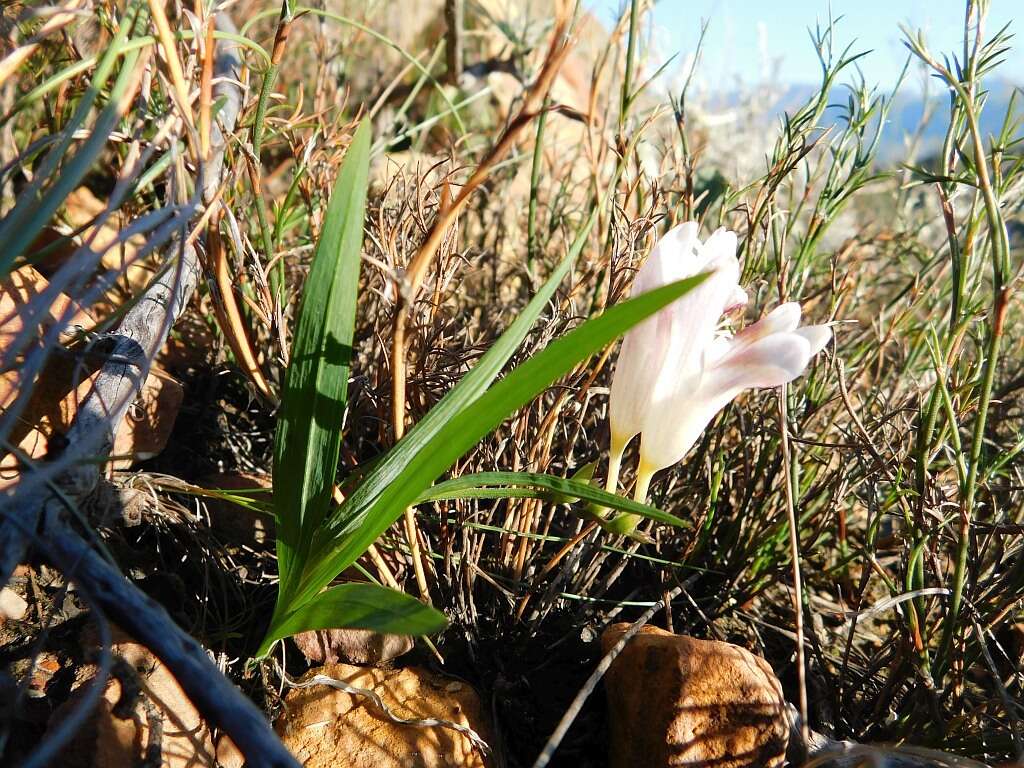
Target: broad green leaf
388	469
316	384
363	606
355	526
535	485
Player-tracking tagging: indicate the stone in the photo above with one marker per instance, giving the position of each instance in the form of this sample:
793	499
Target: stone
325	727
66	379
82	210
46	668
12	605
149	422
26	302
235	523
109	741
355	646
228	755
680	701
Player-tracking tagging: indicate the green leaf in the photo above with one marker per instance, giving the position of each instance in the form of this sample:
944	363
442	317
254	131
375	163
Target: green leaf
357	525
489	485
316	383
363	606
388	469
584	474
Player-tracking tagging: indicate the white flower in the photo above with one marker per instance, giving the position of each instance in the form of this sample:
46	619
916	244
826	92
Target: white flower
676	370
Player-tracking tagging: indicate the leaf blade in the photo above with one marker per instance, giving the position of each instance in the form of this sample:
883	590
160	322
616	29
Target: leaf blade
364	606
308	439
477	485
353	529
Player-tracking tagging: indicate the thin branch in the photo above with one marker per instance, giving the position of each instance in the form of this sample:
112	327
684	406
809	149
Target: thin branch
454	11
220	702
42	498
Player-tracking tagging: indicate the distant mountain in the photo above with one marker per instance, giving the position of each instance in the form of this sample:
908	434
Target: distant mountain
907	112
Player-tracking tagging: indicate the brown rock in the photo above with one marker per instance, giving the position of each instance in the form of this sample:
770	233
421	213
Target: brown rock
81	210
149	422
111	742
44	670
238	524
679	701
356	646
324	727
25	303
228	755
67	379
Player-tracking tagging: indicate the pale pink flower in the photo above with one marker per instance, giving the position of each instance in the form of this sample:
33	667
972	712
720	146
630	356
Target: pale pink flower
676	370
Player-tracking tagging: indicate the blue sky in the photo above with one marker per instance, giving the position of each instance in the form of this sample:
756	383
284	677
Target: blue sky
746	38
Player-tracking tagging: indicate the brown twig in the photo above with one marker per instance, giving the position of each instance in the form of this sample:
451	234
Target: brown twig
794	545
229	315
166	38
454	10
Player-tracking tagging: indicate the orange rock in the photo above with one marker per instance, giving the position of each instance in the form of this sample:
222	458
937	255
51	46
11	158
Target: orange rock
65	381
679	701
111	742
324	727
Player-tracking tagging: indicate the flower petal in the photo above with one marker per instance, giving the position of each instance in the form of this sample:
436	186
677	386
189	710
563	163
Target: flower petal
767	362
661	366
669	433
784	318
694	319
722	243
672	258
817	336
646	345
671	427
736	300
641	357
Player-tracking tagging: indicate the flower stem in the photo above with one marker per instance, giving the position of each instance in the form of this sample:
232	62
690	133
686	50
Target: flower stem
626	522
644	473
611	484
615	451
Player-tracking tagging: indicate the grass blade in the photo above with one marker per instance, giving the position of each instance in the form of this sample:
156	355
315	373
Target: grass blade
489	485
316	385
364	606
